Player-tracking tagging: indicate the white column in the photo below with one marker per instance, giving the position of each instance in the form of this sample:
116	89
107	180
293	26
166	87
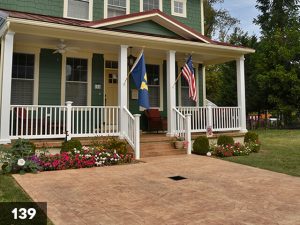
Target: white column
137	150
171	91
122	90
8	45
188	136
69	120
241	92
204	84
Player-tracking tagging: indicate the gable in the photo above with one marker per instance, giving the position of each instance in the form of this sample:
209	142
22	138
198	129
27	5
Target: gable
149	27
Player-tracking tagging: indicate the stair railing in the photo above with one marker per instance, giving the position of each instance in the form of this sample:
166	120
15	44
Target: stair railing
183	128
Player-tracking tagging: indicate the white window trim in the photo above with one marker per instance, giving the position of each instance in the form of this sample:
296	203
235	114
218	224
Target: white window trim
184	8
142	5
36	75
106	8
90	11
87	56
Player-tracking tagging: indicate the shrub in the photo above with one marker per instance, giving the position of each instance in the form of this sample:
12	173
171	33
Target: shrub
201	145
69	146
224	150
18	158
225	140
253	146
110	144
250	137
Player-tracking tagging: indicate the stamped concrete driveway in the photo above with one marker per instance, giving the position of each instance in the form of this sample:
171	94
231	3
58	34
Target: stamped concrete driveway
215	192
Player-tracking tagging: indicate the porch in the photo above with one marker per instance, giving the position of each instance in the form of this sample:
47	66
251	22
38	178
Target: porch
94	78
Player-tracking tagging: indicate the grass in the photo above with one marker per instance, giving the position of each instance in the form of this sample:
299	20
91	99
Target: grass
10	191
280	152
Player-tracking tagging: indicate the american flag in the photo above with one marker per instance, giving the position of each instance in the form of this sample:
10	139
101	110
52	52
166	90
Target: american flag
189	75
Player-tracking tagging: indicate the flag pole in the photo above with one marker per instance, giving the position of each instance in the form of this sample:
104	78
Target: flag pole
136	61
177	78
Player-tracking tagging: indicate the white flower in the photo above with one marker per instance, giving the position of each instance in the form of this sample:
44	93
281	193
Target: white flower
21	162
208	153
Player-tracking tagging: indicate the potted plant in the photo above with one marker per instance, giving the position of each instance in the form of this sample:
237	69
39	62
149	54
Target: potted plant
179	142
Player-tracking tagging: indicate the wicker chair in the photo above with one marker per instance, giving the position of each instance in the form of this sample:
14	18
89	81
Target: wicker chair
155	121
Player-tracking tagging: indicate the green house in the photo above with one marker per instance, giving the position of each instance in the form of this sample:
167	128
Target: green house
65	63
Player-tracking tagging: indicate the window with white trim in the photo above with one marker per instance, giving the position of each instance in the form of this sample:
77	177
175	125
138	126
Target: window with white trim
76	81
153	85
79	9
178	8
184	88
22	79
151	4
116	8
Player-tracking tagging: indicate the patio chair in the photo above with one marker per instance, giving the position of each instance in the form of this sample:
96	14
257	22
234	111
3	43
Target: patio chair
155	121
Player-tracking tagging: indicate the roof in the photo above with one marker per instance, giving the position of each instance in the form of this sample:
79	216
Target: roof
165	20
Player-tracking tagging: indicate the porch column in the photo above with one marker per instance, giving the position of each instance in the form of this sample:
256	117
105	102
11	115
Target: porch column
122	89
6	74
204	84
171	92
240	67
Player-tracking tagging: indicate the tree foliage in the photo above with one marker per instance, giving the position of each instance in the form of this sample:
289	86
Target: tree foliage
278	54
218	22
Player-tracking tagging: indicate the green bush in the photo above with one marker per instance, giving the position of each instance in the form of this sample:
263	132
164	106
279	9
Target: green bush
225	140
201	145
68	146
250	137
111	143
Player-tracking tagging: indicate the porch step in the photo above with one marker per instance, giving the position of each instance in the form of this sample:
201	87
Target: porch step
159	148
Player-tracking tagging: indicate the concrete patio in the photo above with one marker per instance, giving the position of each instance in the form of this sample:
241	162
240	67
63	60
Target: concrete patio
215	192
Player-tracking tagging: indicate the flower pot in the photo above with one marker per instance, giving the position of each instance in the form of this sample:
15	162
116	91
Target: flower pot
179	144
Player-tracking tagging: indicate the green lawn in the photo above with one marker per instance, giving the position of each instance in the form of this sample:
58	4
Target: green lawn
10	191
280	152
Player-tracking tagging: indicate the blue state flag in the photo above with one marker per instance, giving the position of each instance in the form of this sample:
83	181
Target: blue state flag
139	75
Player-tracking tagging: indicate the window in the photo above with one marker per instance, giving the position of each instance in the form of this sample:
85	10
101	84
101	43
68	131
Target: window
76	81
116	8
151	4
178	8
22	79
185	99
79	9
153	85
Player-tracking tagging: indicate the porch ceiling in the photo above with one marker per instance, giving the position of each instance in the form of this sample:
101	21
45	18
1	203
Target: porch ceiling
106	41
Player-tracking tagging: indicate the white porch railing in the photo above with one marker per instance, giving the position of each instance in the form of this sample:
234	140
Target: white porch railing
183	128
89	121
41	122
132	134
37	121
219	118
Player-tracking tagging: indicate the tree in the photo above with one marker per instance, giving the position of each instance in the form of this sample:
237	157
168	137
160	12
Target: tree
218	22
277	57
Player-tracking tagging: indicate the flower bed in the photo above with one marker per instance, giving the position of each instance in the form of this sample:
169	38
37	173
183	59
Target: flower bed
234	150
23	159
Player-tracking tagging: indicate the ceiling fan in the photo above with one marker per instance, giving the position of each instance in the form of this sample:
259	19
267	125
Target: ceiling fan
63	48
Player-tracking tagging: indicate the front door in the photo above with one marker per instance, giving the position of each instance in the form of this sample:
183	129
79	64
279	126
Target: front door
111	98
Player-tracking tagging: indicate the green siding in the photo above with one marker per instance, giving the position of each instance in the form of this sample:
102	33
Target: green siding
193	12
97	78
98	11
50	78
134	6
46	7
149	27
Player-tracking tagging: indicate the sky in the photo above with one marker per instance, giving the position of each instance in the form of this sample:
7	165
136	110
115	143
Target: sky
245	11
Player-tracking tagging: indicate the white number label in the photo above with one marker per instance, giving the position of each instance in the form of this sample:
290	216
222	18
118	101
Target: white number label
24	213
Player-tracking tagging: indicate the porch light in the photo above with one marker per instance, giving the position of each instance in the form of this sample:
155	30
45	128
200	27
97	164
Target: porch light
131	59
